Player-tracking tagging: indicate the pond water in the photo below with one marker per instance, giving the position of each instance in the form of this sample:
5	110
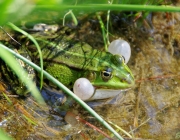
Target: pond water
149	110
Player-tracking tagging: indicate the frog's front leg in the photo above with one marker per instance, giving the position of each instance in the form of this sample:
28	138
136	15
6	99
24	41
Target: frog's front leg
62	73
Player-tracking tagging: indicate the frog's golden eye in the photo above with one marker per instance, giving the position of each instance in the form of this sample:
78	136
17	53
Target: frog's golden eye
106	74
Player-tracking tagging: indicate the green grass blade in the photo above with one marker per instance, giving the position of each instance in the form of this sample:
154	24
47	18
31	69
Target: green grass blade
7	98
4	7
4	136
64	88
37	46
119	128
116	7
74	19
30	120
103	31
14	10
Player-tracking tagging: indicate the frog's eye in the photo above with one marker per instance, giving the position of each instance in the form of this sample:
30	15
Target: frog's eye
124	60
121	59
120	47
106	74
117	60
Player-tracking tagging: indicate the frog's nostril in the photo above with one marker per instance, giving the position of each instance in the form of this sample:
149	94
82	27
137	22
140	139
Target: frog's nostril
129	79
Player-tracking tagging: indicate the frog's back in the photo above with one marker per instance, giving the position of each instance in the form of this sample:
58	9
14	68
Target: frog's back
74	54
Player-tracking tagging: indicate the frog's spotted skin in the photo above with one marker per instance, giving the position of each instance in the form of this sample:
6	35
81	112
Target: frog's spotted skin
68	60
11	78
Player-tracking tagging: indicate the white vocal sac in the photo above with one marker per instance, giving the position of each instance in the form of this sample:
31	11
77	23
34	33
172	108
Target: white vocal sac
83	88
120	47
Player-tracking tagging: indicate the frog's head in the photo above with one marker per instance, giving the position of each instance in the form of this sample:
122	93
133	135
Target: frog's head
112	73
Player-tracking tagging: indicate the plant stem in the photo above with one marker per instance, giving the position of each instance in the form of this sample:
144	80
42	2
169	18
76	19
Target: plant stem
117	7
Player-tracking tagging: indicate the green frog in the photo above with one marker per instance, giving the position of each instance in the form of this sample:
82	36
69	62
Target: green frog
67	59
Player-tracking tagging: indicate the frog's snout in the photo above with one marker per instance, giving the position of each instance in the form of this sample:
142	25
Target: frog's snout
129	79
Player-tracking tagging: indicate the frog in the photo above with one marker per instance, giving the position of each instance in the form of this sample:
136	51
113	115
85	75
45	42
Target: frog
67	58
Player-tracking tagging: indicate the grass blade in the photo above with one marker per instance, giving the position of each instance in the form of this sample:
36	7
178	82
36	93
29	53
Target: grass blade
4	136
116	7
37	46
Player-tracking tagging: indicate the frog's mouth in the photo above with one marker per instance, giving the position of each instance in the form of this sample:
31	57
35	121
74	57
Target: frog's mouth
104	94
122	85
